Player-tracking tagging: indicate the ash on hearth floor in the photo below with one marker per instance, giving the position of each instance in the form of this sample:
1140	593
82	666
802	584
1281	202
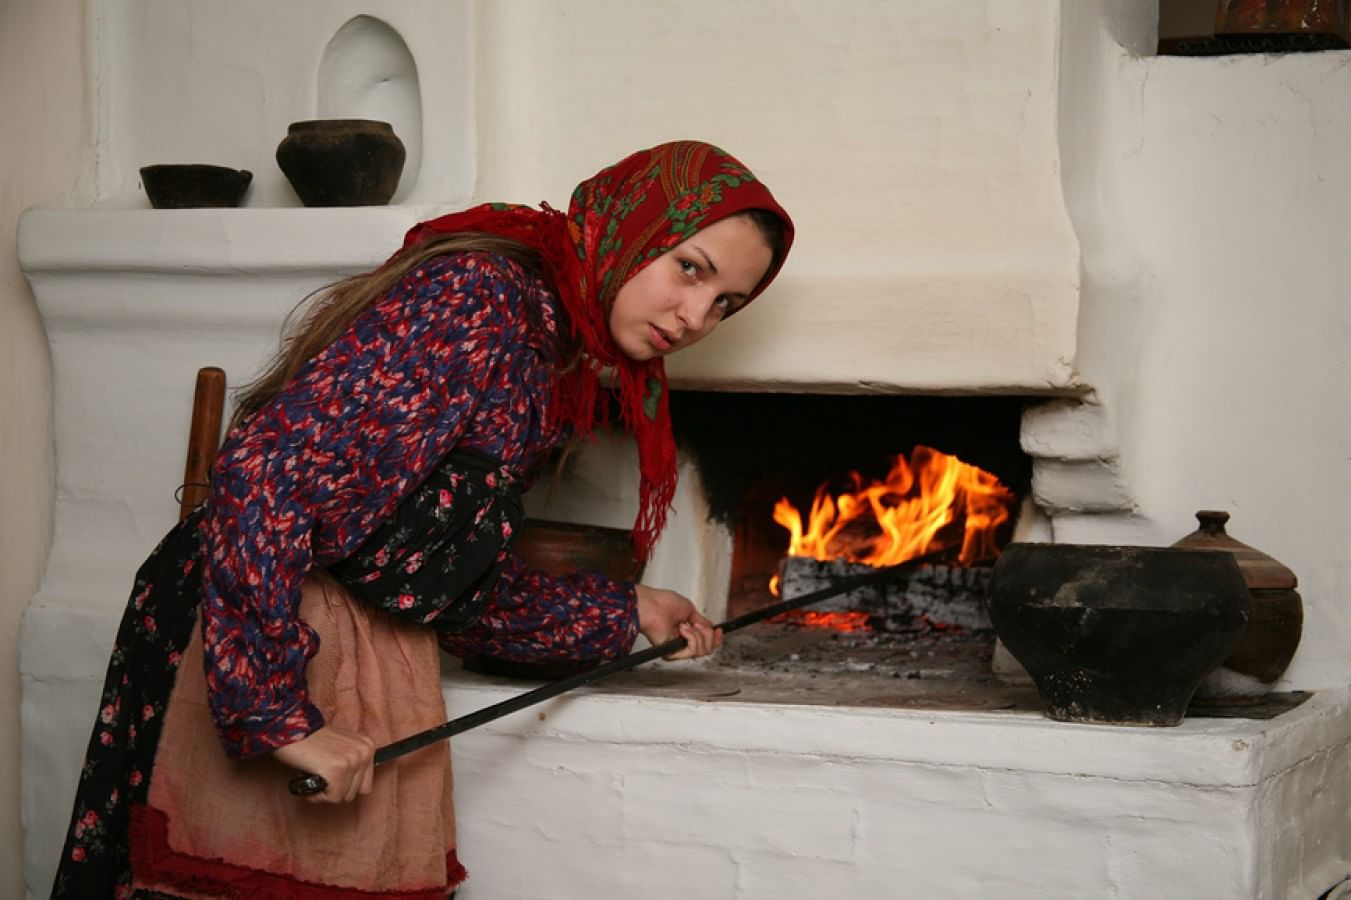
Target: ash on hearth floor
927	655
788	664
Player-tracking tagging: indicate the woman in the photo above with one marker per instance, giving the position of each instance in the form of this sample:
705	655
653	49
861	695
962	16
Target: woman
369	487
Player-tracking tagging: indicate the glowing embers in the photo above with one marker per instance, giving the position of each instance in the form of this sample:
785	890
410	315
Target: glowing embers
931	502
834	620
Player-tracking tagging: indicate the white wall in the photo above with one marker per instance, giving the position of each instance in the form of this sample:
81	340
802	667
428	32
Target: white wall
46	150
1213	202
1198	188
200	81
1240	201
913	143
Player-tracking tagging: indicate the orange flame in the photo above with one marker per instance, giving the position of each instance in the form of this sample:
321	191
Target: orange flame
843	620
904	515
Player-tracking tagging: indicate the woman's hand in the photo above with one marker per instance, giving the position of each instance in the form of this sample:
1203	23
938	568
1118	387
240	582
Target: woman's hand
665	615
345	759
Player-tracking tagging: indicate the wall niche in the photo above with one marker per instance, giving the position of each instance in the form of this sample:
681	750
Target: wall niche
368	72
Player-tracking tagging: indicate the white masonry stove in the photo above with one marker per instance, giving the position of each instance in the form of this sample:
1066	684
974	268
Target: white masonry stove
957	250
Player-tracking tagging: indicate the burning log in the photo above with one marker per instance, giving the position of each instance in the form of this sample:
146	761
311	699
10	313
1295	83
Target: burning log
938	597
926	504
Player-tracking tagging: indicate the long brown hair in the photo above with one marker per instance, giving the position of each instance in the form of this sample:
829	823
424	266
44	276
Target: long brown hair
325	314
322	316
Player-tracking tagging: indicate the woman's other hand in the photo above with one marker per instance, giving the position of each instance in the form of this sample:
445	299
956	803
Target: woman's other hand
665	615
345	759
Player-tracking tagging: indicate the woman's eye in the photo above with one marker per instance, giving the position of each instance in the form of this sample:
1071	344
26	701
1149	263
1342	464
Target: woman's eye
688	268
724	304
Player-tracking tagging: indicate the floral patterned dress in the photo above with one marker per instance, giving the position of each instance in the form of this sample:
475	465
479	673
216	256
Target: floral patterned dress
395	461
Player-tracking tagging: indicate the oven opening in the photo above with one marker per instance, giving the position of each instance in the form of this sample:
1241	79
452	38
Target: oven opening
816	488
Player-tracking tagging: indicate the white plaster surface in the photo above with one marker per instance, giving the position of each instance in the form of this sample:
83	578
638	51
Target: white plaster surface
934	252
44	158
367	72
1069	430
935	156
646	797
1243	383
210	82
1079	486
1213	205
914	145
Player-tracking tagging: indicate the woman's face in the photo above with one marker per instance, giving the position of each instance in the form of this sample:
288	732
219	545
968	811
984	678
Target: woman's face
682	295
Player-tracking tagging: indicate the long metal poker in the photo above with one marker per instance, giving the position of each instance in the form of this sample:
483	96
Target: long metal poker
306	785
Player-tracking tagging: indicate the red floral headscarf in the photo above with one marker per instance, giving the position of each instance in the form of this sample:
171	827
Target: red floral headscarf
618	221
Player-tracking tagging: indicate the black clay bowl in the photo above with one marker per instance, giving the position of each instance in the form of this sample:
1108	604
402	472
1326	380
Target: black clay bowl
1119	635
194	185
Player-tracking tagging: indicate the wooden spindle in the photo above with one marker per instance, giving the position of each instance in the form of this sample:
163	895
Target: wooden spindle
208	404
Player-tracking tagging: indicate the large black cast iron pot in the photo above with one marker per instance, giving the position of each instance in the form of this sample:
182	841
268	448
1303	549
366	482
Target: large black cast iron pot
1121	635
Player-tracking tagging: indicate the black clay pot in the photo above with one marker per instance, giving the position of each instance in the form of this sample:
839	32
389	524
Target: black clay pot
192	185
342	162
1119	635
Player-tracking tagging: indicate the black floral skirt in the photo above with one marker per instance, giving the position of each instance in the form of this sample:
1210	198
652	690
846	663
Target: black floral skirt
158	623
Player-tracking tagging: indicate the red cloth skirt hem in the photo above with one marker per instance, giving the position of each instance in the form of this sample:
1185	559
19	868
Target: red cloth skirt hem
152	859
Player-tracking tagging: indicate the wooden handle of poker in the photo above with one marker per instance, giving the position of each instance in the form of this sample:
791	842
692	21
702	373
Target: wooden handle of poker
208	404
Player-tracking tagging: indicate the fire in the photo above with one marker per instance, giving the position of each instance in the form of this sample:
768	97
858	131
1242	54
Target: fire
843	620
916	509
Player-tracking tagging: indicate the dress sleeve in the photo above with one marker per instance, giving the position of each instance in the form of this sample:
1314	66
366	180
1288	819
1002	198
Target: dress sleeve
322	463
534	617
